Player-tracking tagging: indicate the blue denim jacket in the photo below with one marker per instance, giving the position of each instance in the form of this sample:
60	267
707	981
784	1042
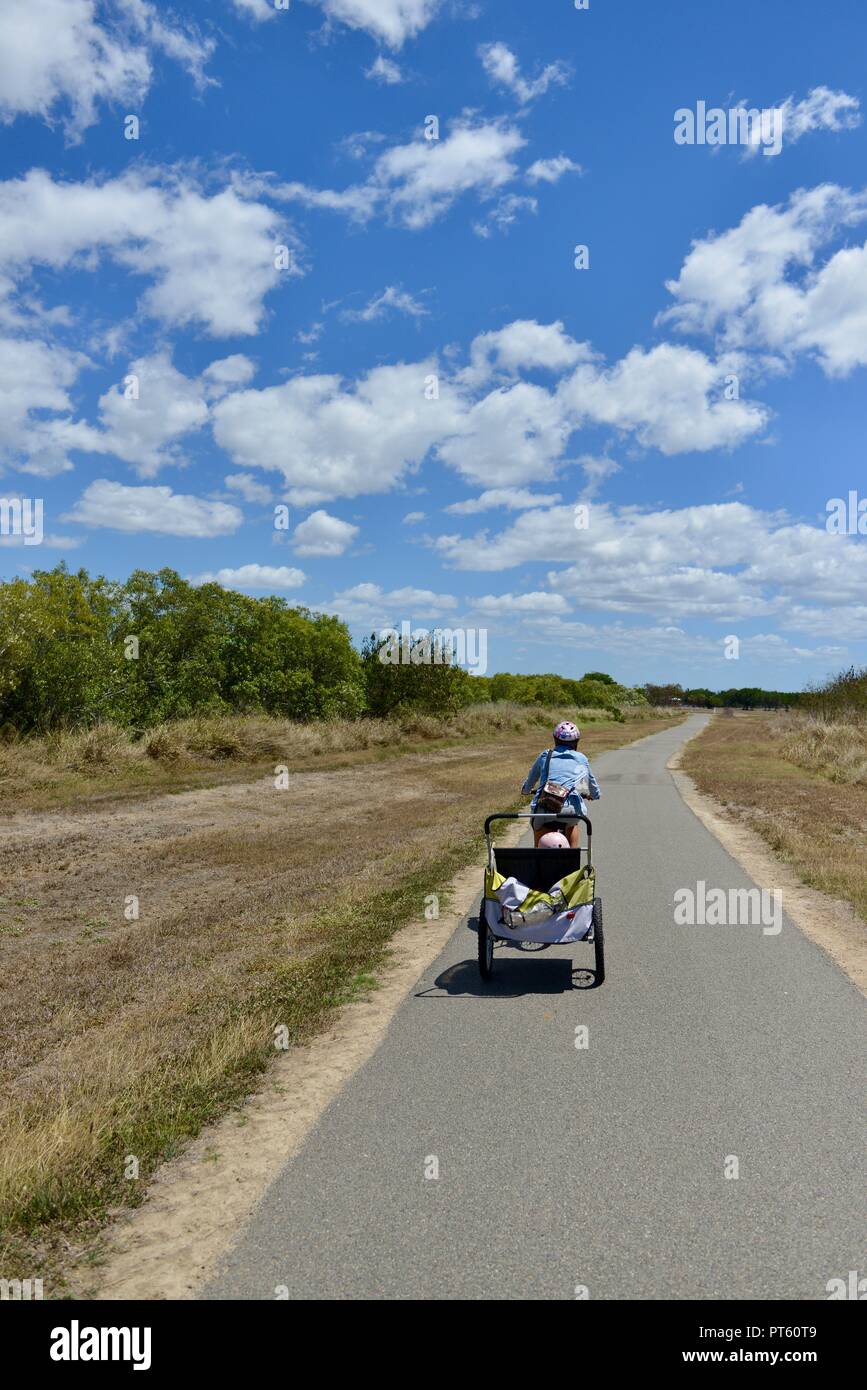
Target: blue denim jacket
568	766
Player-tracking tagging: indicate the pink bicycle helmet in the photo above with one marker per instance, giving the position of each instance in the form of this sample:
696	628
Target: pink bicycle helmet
567	732
553	839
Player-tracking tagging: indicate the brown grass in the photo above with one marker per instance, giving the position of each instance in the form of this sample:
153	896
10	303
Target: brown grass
799	783
108	763
833	748
257	907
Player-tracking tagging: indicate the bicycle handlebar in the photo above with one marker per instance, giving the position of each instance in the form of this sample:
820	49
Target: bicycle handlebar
539	815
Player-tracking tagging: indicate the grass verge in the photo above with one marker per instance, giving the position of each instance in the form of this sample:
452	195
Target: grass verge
107	763
799	785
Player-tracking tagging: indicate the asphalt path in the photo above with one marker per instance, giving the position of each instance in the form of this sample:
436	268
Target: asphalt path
480	1154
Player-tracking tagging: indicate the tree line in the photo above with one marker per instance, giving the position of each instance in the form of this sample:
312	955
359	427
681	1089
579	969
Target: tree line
75	650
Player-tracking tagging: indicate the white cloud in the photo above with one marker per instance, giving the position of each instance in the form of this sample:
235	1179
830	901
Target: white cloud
210	258
322	534
416	183
726	562
413	518
523	344
504	214
257	10
741	285
310	335
393	297
511	499
145	431
35	378
390	21
503	69
269	577
550	170
369	603
821	109
385	70
344	441
364	437
158	509
515	435
250	489
596	470
56	55
506	605
227	374
669	397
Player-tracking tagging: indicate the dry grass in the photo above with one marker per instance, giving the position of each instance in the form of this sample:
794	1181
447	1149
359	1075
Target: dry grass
257	907
106	762
834	749
799	784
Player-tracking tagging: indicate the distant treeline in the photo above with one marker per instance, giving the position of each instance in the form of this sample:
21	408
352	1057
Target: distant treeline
747	697
75	650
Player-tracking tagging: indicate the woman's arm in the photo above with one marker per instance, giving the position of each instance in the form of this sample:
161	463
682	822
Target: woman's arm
595	792
533	775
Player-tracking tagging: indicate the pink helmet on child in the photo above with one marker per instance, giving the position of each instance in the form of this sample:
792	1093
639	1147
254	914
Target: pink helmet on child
553	839
567	732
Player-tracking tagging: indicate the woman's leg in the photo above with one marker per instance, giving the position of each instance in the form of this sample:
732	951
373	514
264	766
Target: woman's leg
574	835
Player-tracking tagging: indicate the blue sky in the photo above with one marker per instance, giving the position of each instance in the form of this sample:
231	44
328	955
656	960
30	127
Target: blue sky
304	383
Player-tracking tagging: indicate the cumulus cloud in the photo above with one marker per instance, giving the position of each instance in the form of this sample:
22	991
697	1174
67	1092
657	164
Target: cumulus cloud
523	345
416	183
725	562
369	603
392	22
508	605
249	488
257	10
504	70
551	170
134	509
758	285
35	405
210	258
669	397
227	374
510	499
386	71
272	578
144	429
487	422
515	434
322	534
67	57
345	440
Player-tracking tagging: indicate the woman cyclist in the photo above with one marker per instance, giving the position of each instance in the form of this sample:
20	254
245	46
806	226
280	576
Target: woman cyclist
570	769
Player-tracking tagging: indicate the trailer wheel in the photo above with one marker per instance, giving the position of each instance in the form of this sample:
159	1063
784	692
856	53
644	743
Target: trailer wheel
598	941
486	949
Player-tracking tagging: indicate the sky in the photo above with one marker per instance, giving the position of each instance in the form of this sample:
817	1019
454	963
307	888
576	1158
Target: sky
290	301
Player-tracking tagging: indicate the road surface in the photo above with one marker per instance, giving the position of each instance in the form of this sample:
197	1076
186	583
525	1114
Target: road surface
600	1169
